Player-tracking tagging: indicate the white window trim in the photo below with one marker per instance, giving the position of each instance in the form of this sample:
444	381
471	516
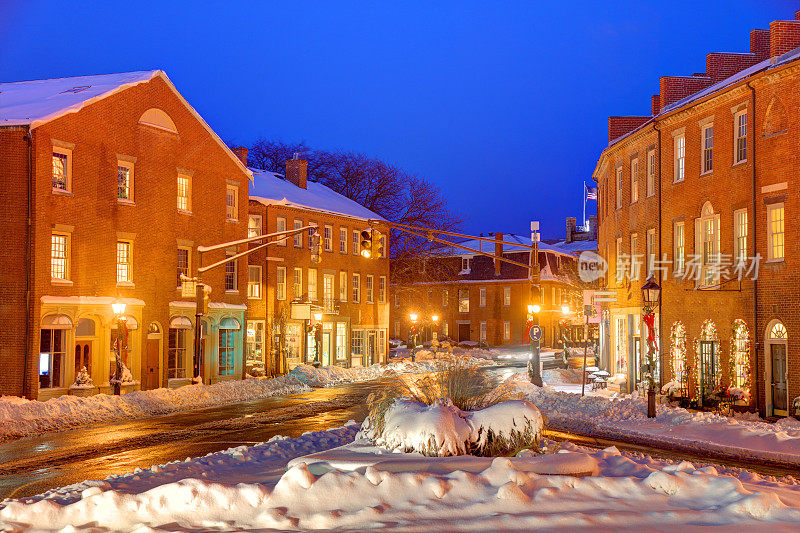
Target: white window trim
188	178
651	173
382	293
235	289
343	285
506	296
676	158
258	225
356	288
736	234
618	200
356	242
295	285
188	260
128	282
278	220
703	129
343	232
67	279
235	189
736	137
682	225
369	288
298	238
770	257
131	200
63	150
634	172
482	297
260	285
312	295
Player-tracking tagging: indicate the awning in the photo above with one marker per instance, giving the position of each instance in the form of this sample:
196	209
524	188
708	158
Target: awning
130	323
56	322
229	323
180	322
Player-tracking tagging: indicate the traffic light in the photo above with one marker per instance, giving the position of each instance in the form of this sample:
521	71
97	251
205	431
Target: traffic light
366	243
377	244
202	297
316	256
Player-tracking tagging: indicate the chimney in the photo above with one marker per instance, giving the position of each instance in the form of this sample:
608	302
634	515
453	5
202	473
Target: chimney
619	126
571	227
241	153
592	227
655	104
759	44
784	35
498	252
297	171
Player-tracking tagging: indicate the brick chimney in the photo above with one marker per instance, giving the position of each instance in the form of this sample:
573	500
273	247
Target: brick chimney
241	153
498	252
619	126
592	227
572	223
784	35
722	65
655	104
759	44
297	171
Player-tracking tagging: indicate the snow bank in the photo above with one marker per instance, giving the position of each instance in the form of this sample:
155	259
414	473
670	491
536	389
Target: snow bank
625	418
628	493
20	417
442	429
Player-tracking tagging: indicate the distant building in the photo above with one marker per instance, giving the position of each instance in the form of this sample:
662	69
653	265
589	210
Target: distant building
286	289
121	180
472	303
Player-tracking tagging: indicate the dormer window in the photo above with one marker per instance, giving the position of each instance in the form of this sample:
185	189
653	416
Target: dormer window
466	265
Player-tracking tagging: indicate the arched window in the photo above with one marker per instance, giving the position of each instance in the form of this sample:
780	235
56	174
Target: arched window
678	350
158	119
707	242
740	355
778	332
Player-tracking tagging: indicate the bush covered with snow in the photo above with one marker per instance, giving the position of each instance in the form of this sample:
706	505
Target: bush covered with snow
83	380
442	429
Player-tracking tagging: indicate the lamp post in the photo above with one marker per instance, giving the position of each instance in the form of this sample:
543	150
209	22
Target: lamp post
118	308
435	327
534	365
317	338
651	293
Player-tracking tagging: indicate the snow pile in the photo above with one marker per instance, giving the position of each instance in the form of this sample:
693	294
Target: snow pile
625	418
20	417
125	377
562	376
628	492
442	429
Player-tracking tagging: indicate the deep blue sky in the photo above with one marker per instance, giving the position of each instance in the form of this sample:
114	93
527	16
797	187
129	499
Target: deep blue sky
504	105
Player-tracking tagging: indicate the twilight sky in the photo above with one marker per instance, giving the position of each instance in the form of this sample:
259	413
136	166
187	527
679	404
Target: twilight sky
503	105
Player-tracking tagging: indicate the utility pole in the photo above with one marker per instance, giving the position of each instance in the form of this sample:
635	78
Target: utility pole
535	364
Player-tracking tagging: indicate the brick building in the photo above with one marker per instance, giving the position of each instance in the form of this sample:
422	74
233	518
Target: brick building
286	289
472	303
121	180
696	191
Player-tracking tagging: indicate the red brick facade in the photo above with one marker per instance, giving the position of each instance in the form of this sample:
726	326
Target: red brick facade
100	137
728	199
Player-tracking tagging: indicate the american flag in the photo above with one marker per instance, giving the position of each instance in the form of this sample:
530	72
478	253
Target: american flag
591	193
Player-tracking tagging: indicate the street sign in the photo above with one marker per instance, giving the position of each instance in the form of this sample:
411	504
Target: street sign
188	287
535	333
604	296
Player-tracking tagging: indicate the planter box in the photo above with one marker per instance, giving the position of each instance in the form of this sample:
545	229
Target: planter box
83	393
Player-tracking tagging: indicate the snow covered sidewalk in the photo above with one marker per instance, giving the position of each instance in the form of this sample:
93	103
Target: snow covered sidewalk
625	418
247	488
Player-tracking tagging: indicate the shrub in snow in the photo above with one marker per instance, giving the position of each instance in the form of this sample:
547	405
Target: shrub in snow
83	380
127	377
738	394
442	429
671	389
452	412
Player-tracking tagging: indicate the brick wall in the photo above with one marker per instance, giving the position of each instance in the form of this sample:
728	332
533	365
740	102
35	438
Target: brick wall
759	44
619	126
674	88
722	65
784	35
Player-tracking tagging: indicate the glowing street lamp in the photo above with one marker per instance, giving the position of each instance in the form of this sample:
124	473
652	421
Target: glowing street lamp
413	317
435	318
318	317
533	309
564	309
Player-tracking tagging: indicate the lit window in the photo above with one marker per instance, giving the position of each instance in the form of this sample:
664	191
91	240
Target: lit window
775	229
255	343
651	251
62	169
506	331
341	340
59	256
678	244
253	225
184	193
619	187
356	242
226	351
707	138
740	235
280	280
176	353
445	297
230	275
123	262
482	296
343	240
232	202
124	181
707	226
382	240
634	180
52	357
183	264
254	281
463	300
506	296
466	264
740	137
680	158
483	331
327	293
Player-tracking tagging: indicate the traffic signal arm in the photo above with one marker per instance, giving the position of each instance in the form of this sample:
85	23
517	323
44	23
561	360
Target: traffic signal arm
280	234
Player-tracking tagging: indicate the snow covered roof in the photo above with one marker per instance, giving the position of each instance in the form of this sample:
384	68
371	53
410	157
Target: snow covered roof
270	188
575	246
35	102
488	247
38	101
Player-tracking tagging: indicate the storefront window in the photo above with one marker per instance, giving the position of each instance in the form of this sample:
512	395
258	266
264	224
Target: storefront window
176	353
51	358
226	361
255	342
341	340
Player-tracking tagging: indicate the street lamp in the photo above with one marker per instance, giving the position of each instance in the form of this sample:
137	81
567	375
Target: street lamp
118	307
564	309
651	294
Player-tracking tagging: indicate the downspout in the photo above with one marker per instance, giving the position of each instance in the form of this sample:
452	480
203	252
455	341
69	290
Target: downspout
751	135
660	279
27	354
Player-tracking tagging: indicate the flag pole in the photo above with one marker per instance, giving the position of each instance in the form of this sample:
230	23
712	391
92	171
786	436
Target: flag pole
584	203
